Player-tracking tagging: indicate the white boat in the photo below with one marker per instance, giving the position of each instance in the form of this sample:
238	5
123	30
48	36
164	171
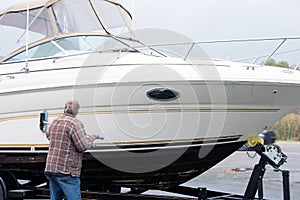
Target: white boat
165	119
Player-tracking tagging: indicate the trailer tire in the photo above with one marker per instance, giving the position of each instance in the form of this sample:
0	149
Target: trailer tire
9	180
3	191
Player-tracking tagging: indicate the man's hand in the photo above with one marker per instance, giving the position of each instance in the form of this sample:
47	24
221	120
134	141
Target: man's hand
99	137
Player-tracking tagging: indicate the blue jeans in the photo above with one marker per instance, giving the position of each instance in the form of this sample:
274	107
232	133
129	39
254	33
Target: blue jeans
63	185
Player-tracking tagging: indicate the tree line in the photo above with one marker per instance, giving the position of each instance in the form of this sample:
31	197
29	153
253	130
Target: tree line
272	62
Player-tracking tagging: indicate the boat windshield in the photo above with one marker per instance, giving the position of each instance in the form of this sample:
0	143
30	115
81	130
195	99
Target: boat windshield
48	19
75	45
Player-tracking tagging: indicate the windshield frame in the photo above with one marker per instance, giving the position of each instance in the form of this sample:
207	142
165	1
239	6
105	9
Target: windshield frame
53	40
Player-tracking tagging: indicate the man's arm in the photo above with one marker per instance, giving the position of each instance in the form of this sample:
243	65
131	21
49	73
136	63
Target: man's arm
80	139
49	129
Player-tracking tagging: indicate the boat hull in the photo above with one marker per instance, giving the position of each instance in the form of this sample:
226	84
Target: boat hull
193	161
149	141
242	109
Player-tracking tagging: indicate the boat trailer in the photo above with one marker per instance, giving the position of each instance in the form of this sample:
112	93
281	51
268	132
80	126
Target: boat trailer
270	154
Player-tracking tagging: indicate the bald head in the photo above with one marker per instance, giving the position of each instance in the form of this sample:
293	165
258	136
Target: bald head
72	107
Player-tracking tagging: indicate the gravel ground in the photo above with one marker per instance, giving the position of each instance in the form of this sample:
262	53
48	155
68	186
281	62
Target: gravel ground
223	178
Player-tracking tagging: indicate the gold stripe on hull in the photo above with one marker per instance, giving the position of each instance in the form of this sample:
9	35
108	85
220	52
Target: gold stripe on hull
147	111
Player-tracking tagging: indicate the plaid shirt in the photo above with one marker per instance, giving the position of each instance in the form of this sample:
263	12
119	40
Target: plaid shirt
68	140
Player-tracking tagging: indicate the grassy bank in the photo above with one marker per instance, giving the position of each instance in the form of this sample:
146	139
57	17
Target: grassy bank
288	128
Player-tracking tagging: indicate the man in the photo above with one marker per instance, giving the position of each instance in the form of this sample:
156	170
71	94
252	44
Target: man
68	140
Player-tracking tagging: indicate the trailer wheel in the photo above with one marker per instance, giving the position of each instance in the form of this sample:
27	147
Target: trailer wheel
3	192
9	180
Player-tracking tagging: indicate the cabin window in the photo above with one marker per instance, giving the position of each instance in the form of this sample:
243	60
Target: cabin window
117	24
13	29
75	16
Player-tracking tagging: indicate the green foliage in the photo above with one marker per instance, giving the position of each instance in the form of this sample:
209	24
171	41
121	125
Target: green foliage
272	62
283	64
288	128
